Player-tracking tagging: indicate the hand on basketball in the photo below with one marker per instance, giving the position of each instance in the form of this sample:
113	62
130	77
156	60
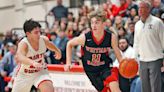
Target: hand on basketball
57	55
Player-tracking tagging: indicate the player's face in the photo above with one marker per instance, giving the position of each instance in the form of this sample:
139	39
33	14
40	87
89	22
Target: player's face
96	24
35	33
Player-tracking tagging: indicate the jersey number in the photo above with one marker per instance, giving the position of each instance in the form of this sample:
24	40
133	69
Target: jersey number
96	57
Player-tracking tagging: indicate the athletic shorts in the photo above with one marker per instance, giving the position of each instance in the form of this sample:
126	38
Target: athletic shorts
23	83
101	80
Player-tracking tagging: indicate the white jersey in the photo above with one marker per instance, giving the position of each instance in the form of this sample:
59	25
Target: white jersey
36	56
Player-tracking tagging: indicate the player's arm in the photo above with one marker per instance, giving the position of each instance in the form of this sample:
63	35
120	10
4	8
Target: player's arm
21	54
80	40
115	47
52	47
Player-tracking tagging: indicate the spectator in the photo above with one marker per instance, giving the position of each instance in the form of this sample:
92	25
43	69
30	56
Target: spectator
60	42
7	65
70	17
76	31
110	9
7	38
50	54
123	7
69	30
118	22
122	32
157	7
131	33
131	4
59	11
84	10
133	13
108	24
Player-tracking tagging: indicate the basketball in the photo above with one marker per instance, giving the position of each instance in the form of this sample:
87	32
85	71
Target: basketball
128	68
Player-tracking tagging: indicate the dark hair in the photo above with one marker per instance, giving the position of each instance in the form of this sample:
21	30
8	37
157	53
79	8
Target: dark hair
133	23
30	24
123	37
123	29
70	13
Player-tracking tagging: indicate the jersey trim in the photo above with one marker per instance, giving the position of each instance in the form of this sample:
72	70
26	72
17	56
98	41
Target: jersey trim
101	40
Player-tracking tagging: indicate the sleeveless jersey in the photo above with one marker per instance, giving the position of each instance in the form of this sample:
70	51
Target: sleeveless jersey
95	55
36	56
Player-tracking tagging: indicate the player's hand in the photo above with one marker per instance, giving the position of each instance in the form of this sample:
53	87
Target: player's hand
58	55
38	66
67	67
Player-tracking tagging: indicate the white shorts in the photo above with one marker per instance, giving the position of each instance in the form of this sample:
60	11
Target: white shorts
23	83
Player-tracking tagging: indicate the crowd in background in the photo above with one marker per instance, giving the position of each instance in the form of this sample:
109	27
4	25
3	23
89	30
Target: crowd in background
119	20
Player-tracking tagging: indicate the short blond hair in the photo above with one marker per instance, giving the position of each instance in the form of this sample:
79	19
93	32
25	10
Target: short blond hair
99	14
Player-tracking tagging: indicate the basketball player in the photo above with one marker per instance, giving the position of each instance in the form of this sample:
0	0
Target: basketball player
30	54
96	45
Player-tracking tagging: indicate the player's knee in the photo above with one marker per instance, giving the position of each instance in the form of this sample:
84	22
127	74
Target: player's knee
46	87
114	87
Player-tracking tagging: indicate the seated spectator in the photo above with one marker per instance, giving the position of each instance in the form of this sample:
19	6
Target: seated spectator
7	65
76	31
126	51
133	13
69	30
122	32
60	42
123	7
157	7
131	33
118	22
131	4
84	10
7	38
108	24
70	17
